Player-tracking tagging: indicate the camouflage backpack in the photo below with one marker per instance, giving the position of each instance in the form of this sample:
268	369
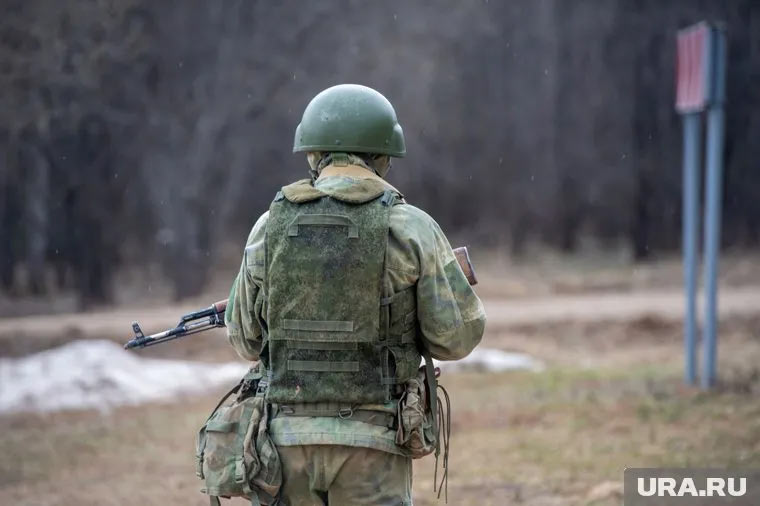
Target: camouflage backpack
234	454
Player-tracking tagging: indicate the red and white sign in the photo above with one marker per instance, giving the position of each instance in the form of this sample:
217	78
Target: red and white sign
692	66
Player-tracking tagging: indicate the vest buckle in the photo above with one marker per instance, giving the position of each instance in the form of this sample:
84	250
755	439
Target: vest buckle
261	388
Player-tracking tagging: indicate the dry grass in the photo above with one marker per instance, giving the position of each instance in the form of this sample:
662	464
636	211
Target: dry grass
551	438
554	438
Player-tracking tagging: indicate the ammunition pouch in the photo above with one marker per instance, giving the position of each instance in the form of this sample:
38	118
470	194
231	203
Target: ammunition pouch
424	419
416	431
234	454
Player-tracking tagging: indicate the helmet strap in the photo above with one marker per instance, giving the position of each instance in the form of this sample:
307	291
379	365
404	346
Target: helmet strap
339	159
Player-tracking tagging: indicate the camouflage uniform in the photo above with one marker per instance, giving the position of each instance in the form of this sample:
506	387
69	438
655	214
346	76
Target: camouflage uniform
344	460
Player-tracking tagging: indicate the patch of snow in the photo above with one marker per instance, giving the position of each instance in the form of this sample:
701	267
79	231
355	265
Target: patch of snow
492	360
100	374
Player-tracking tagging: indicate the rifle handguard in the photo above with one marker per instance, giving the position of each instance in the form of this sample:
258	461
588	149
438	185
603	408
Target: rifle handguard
463	259
220	306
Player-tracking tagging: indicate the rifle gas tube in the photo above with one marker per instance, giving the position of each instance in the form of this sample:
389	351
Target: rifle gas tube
191	323
213	316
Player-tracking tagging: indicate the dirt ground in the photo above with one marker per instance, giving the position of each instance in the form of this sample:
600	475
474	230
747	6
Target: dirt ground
611	396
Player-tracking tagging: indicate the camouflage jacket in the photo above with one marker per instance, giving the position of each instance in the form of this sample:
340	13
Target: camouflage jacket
451	322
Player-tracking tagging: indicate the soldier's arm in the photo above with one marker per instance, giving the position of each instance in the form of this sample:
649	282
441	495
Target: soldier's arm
450	314
244	315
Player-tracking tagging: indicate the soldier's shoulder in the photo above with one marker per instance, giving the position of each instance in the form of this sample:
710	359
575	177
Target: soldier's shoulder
259	228
407	215
262	221
412	212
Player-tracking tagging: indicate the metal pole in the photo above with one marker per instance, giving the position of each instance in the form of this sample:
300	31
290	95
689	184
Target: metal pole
692	132
713	197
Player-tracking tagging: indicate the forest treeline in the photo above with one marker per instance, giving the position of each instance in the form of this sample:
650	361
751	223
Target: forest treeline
138	132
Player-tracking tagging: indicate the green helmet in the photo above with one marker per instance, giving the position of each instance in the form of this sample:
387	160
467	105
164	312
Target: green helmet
350	118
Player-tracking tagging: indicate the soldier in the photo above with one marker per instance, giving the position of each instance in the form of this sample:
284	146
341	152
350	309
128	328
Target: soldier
342	286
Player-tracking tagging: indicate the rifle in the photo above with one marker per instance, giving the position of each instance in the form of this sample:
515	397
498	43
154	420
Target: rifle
213	316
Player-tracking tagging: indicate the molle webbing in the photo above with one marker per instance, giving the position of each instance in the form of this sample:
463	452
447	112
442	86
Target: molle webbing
356	413
323	365
324	219
398	317
318	325
325	267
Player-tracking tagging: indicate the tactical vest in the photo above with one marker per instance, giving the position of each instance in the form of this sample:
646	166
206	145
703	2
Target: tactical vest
333	333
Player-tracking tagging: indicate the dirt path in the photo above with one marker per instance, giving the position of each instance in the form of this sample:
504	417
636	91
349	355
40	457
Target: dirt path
101	323
666	304
23	335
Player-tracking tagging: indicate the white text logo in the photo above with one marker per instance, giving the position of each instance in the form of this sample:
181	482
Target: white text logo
670	487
